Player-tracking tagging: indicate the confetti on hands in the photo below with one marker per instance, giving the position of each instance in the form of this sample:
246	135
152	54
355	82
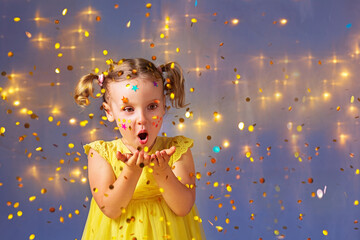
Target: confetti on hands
135	161
160	160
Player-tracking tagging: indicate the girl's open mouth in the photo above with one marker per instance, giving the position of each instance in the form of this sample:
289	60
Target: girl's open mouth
143	137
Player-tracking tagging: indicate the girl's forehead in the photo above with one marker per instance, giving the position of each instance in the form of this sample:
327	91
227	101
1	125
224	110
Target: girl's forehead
136	88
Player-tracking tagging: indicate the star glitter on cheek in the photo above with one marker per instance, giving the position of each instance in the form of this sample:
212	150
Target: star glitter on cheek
123	126
125	100
135	87
155	84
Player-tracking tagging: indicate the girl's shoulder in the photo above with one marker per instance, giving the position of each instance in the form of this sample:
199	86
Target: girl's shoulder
181	143
104	148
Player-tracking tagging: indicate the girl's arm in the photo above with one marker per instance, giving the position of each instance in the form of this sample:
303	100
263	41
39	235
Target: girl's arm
111	194
177	182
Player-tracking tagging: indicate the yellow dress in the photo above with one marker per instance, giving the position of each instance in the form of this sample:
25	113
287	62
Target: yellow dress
147	215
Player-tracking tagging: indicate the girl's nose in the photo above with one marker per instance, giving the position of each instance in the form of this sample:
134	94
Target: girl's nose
141	118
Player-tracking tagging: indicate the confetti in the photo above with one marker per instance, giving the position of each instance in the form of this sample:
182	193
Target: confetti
216	149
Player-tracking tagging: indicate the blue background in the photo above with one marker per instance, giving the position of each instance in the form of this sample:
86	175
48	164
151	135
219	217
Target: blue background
302	73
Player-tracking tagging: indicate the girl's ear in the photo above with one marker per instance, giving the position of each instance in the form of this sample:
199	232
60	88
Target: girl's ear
108	112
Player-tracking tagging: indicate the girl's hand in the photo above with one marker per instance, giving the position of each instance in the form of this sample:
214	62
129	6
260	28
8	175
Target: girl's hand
161	159
135	161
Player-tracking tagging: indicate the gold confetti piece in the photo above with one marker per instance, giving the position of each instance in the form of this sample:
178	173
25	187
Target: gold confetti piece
19	213
57	70
148	5
50	118
105	52
162	35
299	128
251	128
43	190
128	24
219	228
161	190
61	219
356	202
276	232
325	232
194	20
32	236
216	184
177	49
17	19
98	18
64	12
10	54
28	34
71	145
84	123
57	45
229	189
32	198
2	130
39	149
10	216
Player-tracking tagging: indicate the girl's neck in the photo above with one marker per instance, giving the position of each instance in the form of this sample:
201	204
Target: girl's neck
132	148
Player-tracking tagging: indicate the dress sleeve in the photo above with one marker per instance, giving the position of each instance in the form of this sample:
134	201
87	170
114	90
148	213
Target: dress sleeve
182	144
100	147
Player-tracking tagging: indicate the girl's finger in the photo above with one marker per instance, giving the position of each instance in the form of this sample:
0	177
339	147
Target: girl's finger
170	151
132	160
120	156
165	156
147	160
159	159
140	160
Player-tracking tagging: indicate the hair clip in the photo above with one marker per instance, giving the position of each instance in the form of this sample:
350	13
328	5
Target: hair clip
101	79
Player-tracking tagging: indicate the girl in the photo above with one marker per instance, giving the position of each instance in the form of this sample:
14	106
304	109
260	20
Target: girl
143	185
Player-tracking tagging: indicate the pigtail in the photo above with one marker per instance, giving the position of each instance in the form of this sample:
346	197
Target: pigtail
174	84
84	89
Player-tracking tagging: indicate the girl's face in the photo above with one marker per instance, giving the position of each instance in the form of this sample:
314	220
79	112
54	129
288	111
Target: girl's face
138	107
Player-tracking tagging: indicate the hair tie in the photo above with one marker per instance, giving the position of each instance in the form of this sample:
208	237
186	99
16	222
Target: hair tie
101	79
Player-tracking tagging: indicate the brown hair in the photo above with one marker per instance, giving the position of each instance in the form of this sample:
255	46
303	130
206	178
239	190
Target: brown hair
169	74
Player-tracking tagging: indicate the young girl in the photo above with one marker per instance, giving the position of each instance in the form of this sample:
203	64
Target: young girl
143	185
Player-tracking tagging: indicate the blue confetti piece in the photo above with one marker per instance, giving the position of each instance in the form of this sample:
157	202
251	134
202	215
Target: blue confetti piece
216	149
195	3
348	25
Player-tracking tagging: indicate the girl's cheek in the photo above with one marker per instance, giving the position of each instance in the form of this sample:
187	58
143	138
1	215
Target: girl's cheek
156	120
124	124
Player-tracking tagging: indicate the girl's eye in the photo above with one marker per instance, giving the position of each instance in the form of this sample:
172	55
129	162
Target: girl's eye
153	106
128	109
